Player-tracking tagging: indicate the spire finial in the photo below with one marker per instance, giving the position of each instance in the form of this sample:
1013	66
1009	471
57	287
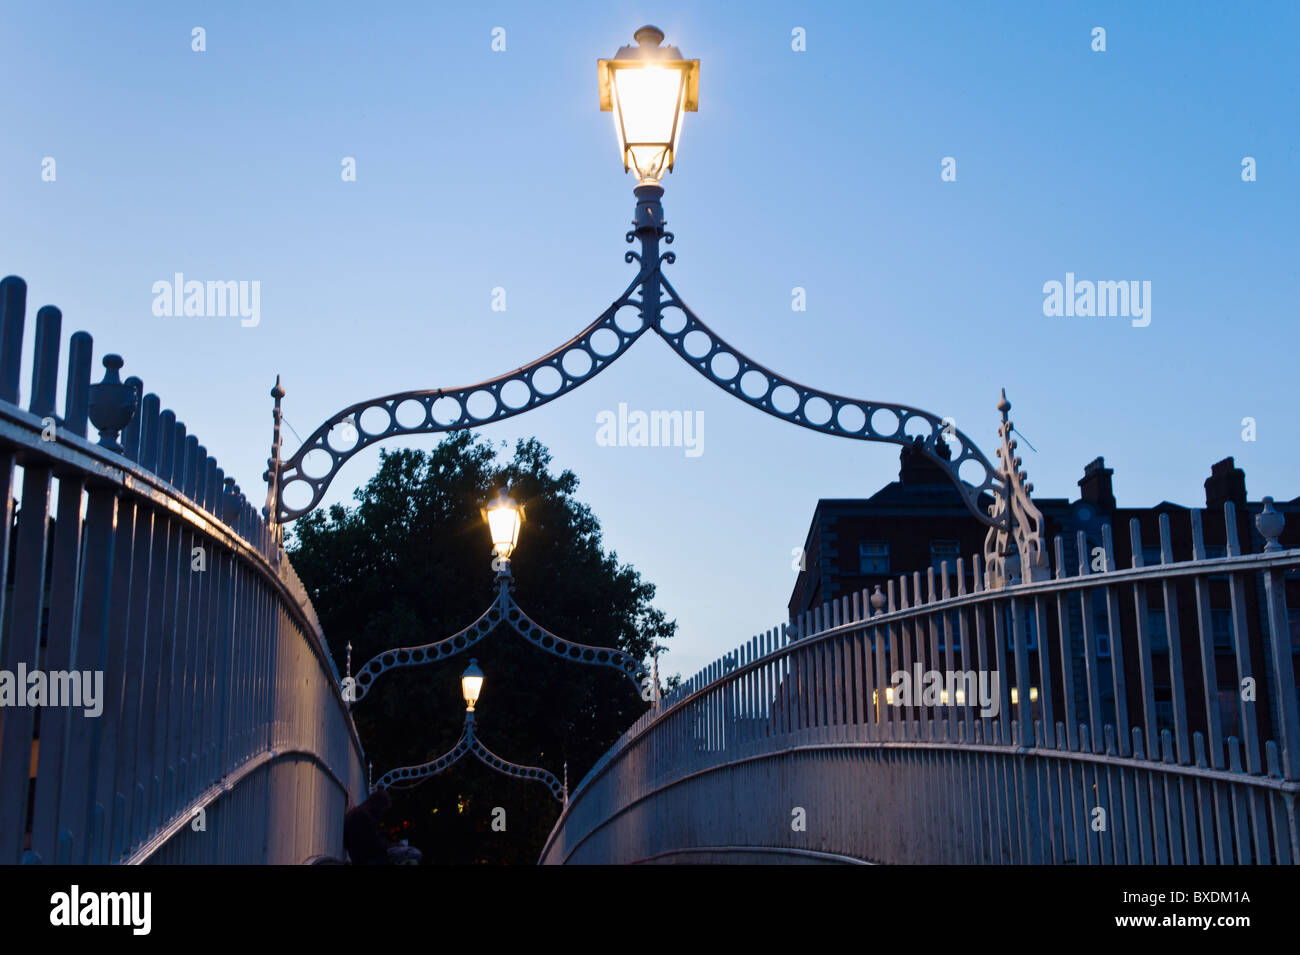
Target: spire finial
271	512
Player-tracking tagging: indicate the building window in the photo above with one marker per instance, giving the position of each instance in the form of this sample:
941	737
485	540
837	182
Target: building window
1165	715
1150	556
1229	714
873	557
941	551
1157	630
1221	628
1216	552
1103	646
1031	628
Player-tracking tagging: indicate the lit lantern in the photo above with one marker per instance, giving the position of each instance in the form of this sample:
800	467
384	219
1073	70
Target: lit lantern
503	518
648	87
471	684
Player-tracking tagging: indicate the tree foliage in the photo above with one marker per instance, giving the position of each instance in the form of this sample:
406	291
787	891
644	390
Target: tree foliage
409	564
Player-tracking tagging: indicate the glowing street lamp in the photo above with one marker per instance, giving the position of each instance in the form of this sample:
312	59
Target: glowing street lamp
503	518
648	87
471	684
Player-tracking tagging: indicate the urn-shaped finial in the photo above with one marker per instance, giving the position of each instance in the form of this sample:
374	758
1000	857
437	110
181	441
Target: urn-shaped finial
1269	523
112	404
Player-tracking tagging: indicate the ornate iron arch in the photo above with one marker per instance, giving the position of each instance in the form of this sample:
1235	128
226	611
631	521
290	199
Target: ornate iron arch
408	777
588	353
503	611
841	413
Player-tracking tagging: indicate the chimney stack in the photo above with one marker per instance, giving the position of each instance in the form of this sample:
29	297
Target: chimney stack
1226	482
1095	488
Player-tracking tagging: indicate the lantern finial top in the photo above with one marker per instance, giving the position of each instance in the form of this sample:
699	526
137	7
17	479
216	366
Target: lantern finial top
649	36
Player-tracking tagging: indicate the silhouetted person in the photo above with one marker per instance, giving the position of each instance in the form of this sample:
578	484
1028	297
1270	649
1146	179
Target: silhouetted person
362	837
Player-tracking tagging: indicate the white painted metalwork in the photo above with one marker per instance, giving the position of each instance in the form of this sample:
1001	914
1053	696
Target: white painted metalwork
784	750
223	736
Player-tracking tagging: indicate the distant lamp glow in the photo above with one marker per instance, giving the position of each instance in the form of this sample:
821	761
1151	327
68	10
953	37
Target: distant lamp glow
648	87
503	518
1033	695
471	684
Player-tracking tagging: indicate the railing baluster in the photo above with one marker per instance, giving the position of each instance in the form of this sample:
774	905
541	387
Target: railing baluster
1146	669
1205	628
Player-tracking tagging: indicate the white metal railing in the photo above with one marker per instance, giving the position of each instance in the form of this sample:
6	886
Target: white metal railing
223	736
1108	744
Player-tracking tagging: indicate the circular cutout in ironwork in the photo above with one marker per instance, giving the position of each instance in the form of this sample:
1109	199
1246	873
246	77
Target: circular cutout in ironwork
785	399
481	405
576	362
917	426
973	472
884	422
445	410
317	463
342	437
672	321
375	420
515	394
547	380
851	418
411	413
817	410
628	320
754	384
697	343
724	366
604	342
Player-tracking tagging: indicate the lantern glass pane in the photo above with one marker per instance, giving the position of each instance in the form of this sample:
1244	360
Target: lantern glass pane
503	524
471	686
648	99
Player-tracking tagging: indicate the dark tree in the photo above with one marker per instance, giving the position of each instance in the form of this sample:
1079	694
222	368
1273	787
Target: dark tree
410	563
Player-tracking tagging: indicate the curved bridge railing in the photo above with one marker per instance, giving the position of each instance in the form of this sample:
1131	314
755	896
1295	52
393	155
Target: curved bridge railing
1138	715
188	710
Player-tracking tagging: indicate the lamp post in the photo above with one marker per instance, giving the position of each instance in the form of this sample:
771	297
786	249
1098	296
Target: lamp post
648	88
471	682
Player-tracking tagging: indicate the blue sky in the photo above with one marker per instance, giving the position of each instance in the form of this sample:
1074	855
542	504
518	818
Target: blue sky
818	169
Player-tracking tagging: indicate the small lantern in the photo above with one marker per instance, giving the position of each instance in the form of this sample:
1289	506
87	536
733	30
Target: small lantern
471	684
503	518
648	87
